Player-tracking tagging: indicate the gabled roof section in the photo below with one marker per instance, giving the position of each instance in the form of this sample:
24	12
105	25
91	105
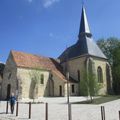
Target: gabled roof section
85	44
25	60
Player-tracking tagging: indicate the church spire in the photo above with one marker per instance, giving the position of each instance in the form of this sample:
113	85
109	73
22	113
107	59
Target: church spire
84	26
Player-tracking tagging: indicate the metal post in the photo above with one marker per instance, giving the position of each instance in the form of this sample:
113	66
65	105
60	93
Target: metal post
29	110
46	111
103	112
17	109
7	108
68	101
119	115
69	112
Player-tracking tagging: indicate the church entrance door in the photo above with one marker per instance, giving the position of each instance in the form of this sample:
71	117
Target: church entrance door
8	91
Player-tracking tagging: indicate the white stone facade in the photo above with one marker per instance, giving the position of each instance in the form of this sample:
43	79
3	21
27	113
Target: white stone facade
21	81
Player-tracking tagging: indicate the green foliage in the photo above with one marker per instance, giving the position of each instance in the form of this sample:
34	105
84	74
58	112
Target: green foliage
116	69
108	46
83	86
100	100
89	85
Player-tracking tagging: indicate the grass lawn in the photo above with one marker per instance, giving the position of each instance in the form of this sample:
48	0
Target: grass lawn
100	100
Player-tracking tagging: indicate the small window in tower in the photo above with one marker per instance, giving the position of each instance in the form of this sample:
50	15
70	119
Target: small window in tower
73	88
42	79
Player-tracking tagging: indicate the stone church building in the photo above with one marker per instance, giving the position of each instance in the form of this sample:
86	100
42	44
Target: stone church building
33	76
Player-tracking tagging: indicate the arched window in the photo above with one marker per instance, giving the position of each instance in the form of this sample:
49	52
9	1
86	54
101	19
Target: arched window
100	75
42	79
78	72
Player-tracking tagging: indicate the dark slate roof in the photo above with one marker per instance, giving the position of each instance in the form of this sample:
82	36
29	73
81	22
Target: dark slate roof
72	80
84	26
85	44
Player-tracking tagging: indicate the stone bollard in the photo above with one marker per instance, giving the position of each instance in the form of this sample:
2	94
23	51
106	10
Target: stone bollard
46	111
69	112
119	115
17	109
103	112
7	108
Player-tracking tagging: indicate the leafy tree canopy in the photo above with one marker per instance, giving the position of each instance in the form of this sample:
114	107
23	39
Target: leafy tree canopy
107	46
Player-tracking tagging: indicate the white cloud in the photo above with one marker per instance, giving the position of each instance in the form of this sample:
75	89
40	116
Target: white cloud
51	35
45	3
30	1
48	3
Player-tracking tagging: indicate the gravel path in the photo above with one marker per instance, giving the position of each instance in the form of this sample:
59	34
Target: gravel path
57	108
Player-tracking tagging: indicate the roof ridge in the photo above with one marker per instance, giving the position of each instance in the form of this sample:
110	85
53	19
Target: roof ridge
12	51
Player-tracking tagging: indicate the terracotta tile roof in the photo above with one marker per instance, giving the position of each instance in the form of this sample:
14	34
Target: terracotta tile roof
26	60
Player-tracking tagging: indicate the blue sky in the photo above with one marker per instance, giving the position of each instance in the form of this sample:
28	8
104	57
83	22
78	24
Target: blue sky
46	27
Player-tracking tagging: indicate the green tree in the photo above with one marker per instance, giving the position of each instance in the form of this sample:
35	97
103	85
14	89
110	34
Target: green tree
89	85
116	69
108	46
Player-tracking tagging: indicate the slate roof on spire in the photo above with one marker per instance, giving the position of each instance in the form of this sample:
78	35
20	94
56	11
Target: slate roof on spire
85	44
84	26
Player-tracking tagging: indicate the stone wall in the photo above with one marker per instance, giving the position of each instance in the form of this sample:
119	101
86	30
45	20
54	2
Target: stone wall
26	82
73	66
9	78
102	64
57	83
75	93
80	64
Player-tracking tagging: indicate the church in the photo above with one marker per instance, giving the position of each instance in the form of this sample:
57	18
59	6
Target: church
31	76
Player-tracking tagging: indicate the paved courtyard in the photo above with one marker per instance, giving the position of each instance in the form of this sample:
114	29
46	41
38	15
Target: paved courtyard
57	110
